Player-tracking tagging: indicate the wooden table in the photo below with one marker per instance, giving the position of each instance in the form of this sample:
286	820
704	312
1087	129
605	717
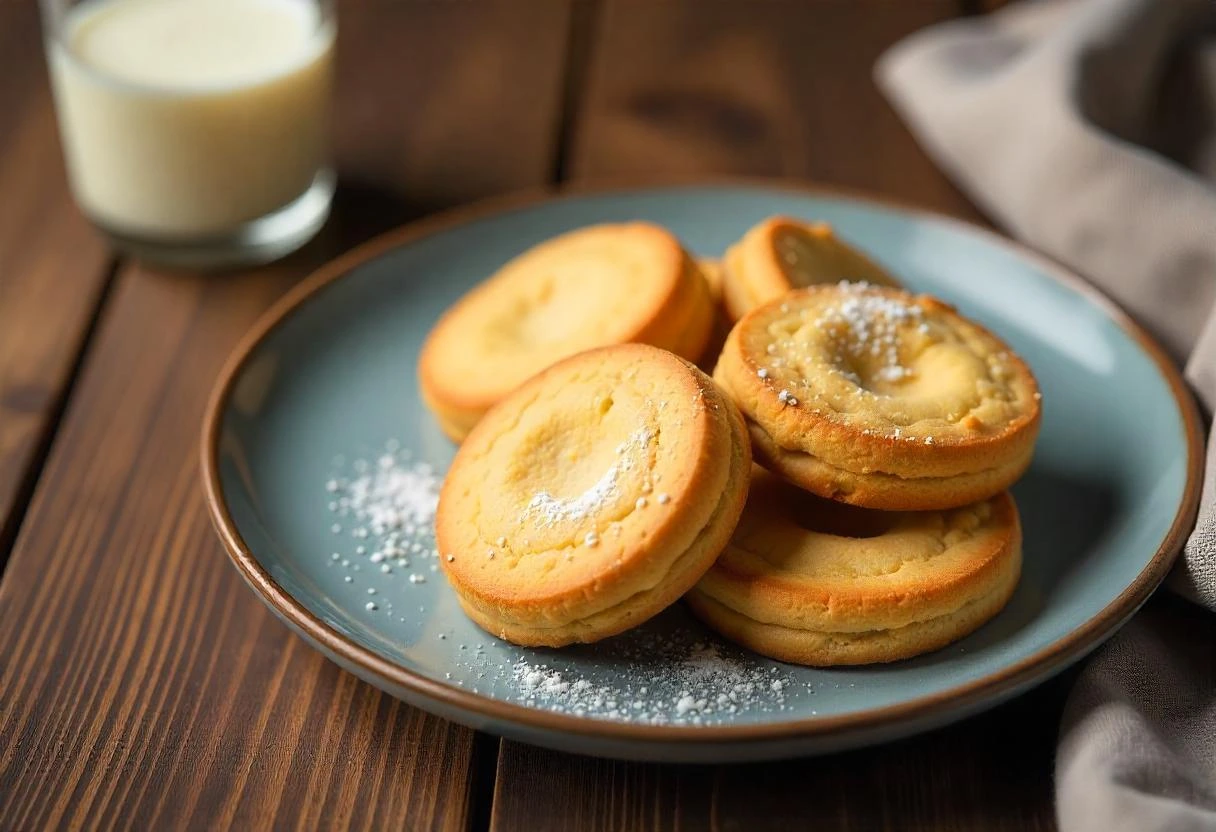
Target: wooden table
141	684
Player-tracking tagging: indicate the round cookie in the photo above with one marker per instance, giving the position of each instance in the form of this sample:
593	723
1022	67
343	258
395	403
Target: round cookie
878	398
712	271
596	286
593	497
781	254
810	581
698	317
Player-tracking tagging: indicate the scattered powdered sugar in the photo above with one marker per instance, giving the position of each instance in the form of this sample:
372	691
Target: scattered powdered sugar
386	504
655	674
659	680
893	372
392	496
869	323
546	510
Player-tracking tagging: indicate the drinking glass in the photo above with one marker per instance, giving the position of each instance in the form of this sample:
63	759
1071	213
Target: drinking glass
196	132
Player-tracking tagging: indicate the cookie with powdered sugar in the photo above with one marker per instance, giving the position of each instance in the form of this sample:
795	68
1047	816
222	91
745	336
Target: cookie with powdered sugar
880	398
592	497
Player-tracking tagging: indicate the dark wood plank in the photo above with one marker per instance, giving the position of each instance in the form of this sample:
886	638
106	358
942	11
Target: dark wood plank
762	89
993	772
782	89
53	268
440	103
141	684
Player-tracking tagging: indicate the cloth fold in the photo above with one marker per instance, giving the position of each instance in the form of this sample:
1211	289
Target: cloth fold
1087	128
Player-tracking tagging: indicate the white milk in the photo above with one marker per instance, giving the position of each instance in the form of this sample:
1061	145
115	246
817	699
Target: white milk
185	118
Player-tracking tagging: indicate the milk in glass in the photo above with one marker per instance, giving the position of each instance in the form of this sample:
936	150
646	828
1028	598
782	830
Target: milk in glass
188	119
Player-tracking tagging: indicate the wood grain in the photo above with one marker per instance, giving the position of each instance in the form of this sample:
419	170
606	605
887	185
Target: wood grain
141	684
140	681
53	268
758	88
443	102
989	773
783	89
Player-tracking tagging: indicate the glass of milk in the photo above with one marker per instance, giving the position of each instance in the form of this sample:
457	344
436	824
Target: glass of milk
196	131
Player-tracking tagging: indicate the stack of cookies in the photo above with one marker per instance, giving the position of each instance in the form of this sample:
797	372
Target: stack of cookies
603	475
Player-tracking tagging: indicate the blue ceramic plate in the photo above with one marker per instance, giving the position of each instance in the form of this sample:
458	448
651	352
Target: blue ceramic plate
316	425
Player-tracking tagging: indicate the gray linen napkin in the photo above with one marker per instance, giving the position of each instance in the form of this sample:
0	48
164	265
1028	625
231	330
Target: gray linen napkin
1087	128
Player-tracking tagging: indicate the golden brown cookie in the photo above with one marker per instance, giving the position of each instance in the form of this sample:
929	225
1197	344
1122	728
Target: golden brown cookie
696	317
601	285
880	398
814	582
592	497
781	254
712	271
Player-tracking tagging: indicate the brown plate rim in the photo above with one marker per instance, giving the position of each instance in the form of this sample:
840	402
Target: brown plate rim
1035	667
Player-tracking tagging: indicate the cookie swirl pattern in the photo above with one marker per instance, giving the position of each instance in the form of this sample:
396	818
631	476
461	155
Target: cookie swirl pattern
879	398
596	286
593	497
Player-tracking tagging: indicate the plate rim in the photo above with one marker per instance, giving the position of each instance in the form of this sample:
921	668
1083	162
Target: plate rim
964	697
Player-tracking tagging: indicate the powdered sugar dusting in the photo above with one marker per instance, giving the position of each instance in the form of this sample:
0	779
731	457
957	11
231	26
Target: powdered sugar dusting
393	496
868	323
660	680
668	671
387	505
546	510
